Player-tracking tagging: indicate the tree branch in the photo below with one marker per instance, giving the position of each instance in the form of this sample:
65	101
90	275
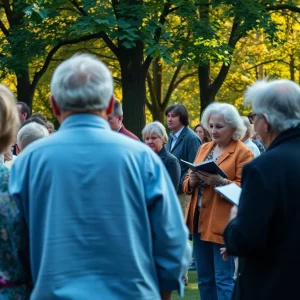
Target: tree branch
271	61
8	11
151	89
284	6
171	85
157	34
48	59
183	78
76	5
4	29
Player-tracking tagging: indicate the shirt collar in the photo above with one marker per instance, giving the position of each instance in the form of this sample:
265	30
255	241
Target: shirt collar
177	134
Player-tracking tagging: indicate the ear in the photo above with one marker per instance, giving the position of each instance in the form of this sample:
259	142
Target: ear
110	107
18	150
267	125
55	109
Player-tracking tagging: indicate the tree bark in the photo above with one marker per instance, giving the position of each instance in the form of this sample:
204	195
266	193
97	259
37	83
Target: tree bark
134	88
24	90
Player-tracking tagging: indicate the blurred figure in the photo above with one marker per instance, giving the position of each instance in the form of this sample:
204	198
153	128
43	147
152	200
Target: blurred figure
50	127
30	133
39	115
265	232
102	225
115	121
208	213
257	141
183	143
202	133
248	134
14	280
24	111
155	136
35	120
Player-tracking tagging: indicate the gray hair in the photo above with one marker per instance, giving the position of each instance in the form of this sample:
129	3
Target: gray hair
82	83
278	99
29	133
118	111
250	131
231	117
156	128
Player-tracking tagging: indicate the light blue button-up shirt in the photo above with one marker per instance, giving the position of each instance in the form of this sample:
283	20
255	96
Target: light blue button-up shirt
175	137
103	217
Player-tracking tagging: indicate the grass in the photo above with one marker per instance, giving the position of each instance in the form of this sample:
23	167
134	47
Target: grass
191	291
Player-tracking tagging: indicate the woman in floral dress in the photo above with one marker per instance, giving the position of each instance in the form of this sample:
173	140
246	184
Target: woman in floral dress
14	280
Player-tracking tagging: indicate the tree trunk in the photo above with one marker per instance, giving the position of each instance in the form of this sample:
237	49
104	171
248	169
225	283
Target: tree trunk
134	88
292	67
24	90
206	96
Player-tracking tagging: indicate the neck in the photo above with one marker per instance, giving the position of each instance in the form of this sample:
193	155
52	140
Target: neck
223	145
66	113
177	129
271	137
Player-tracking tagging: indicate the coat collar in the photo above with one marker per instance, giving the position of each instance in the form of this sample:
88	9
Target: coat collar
207	147
289	134
162	153
180	138
84	120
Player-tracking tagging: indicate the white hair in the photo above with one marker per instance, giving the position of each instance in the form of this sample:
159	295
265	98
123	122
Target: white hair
278	99
156	128
231	117
250	131
82	83
29	133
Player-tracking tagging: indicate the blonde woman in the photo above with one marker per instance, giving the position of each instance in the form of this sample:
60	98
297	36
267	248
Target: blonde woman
13	278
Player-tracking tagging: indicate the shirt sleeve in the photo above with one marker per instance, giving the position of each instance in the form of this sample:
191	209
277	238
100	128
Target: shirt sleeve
171	248
246	235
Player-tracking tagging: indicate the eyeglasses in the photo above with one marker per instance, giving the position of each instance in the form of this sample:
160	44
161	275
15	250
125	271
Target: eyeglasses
251	117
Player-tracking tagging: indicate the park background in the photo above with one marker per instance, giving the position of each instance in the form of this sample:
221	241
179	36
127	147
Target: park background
159	51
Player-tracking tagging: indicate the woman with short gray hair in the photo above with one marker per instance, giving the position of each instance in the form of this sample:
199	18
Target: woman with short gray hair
265	229
155	136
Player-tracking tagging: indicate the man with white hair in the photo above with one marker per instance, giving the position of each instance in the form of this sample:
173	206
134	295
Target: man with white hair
105	226
30	133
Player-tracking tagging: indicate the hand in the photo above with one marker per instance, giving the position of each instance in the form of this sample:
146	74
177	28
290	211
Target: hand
223	252
211	179
194	179
233	212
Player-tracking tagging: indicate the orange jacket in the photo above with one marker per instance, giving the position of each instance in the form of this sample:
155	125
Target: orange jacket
215	210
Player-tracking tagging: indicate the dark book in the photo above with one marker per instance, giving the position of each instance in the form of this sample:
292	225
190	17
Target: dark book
207	166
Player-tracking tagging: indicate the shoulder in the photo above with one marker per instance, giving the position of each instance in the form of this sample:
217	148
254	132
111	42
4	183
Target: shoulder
124	131
171	158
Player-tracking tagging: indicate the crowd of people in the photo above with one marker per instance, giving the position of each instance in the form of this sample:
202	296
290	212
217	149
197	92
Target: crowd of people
91	212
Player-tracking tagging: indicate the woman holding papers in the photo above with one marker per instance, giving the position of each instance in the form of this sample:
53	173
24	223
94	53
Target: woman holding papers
208	213
265	232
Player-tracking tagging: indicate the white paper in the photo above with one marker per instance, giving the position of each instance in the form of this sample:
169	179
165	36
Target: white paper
231	192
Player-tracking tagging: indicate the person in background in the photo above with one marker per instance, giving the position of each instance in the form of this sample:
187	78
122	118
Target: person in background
14	278
183	143
268	246
202	133
50	127
115	121
155	136
39	115
24	111
257	141
103	226
30	133
35	120
248	134
208	213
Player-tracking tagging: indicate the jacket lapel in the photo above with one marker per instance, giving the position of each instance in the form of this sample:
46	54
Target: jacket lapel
180	138
230	149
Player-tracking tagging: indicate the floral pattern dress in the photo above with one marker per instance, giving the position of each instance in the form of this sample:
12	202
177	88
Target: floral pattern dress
13	278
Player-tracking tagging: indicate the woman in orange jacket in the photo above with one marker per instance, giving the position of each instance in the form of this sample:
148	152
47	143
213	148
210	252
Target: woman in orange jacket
207	213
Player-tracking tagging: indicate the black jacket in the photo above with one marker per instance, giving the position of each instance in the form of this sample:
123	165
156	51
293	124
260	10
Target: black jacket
172	165
266	231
